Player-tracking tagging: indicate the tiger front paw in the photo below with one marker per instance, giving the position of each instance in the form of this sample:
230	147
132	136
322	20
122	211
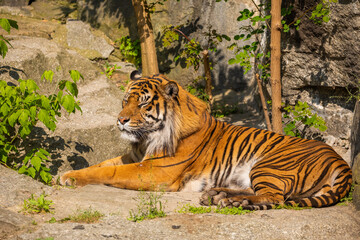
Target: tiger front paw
69	179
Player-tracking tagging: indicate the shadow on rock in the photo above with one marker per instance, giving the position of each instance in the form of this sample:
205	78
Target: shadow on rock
60	150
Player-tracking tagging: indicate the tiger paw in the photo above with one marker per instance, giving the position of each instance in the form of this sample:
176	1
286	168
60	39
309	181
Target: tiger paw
212	197
68	179
233	202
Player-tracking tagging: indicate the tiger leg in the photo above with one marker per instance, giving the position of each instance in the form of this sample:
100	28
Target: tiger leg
134	176
121	160
255	202
214	195
268	192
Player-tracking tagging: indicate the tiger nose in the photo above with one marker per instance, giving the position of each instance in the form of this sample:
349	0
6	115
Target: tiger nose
123	120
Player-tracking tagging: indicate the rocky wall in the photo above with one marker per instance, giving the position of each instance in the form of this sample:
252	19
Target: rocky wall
117	19
320	65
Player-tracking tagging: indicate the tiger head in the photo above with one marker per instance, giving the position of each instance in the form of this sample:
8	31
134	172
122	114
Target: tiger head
158	112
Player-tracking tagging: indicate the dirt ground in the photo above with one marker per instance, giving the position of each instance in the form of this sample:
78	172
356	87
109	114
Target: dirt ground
337	222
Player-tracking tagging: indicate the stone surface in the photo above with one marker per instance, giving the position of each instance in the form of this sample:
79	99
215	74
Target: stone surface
356	196
355	135
11	223
197	17
76	142
15	188
80	37
337	222
14	3
320	65
356	169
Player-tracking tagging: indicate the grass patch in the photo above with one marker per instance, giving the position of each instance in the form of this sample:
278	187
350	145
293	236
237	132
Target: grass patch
81	216
149	206
188	208
348	198
289	207
37	205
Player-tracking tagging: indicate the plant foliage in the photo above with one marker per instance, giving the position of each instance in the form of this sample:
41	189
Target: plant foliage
299	116
37	205
130	50
22	107
188	208
6	24
149	206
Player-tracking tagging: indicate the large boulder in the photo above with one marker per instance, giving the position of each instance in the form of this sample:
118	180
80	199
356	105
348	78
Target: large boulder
80	37
81	139
117	19
355	154
320	66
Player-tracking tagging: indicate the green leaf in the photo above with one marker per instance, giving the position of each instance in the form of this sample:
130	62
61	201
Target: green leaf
22	169
5	109
33	111
68	102
13	24
3	48
45	176
48	75
326	18
43	116
322	128
24	118
43	151
45	102
31	85
319	7
24	131
41	155
13	118
31	171
62	84
75	75
36	162
72	87
4	23
232	61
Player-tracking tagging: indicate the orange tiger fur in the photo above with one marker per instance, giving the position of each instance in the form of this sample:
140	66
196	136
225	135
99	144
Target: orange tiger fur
178	146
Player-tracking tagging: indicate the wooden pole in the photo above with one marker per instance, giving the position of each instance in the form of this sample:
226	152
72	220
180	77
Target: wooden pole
275	66
147	40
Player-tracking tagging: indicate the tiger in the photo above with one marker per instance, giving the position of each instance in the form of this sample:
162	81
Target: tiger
178	146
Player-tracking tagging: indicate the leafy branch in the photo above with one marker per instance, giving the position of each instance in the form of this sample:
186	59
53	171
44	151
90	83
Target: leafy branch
22	107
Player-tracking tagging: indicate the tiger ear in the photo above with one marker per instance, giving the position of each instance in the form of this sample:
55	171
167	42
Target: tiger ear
171	89
135	75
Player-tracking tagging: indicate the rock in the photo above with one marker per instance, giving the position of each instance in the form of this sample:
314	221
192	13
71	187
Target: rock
80	140
124	67
117	20
319	66
92	137
356	196
80	37
11	223
355	154
356	169
355	135
356	181
15	188
31	56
